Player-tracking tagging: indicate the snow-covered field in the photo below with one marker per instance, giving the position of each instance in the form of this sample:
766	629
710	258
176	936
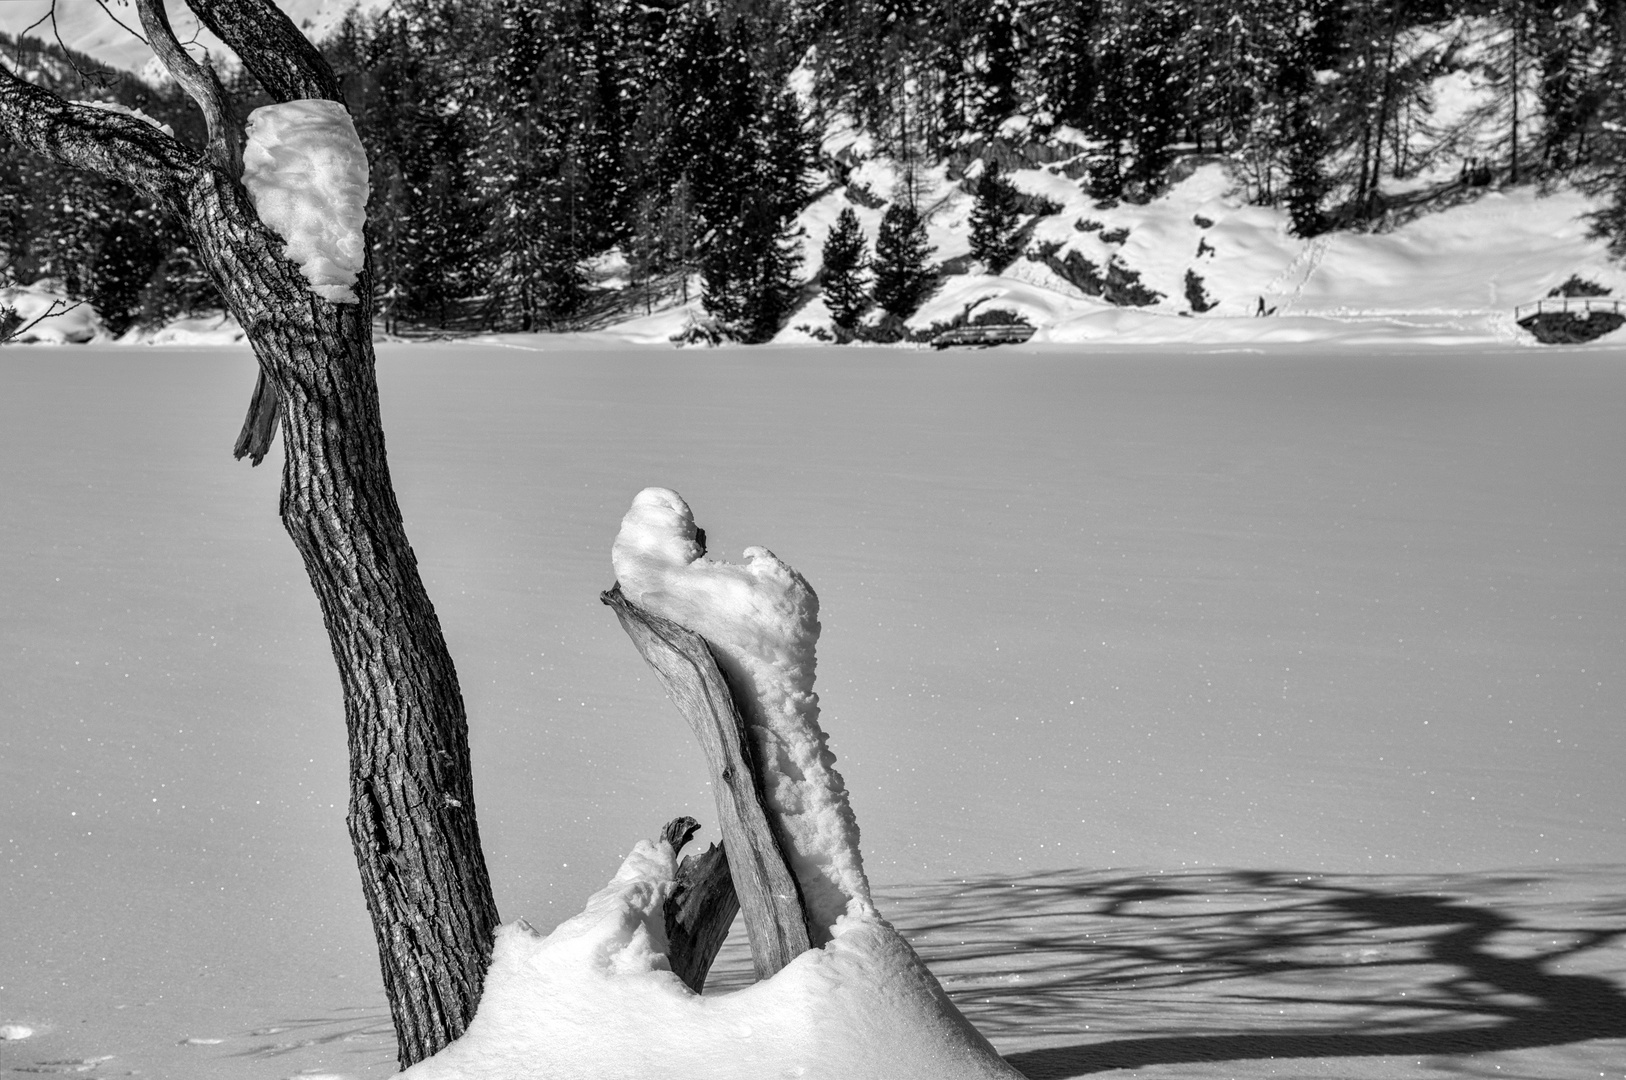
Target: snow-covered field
1199	707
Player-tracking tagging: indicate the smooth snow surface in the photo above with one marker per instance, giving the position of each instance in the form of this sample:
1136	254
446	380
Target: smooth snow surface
1325	640
764	619
596	1000
306	171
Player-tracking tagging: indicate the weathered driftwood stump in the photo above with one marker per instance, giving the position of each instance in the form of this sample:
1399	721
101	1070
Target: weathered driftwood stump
752	857
701	908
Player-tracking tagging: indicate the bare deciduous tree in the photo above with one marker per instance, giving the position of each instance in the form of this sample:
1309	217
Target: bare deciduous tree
411	811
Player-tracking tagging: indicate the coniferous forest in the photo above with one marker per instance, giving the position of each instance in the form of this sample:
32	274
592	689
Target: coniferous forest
514	142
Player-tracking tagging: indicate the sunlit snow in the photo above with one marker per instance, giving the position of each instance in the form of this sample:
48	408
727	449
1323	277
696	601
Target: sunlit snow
306	171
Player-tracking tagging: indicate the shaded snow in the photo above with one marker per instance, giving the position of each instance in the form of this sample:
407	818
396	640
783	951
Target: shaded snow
55	319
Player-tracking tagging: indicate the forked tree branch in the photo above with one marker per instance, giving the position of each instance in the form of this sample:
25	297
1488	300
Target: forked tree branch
201	84
270	45
110	144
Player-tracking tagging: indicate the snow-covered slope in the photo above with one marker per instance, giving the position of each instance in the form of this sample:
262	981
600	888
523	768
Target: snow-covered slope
1451	276
84	25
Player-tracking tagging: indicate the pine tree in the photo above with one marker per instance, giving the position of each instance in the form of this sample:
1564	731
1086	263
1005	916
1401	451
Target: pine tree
998	47
993	219
770	284
902	280
1059	57
845	274
1606	135
408	86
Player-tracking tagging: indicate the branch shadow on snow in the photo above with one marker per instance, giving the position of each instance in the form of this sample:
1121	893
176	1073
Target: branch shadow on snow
1162	969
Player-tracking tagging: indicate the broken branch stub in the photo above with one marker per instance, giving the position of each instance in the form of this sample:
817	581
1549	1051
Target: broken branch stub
701	908
768	894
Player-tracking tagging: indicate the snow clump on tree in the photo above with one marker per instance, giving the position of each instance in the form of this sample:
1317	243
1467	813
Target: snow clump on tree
125	110
762	618
306	172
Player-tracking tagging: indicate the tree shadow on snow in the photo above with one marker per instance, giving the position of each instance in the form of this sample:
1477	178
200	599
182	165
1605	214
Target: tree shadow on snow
1161	969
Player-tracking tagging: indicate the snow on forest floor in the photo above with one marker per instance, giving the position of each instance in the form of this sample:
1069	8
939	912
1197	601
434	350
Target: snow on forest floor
1343	623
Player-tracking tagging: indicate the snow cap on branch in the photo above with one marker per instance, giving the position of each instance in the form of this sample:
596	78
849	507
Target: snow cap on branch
125	110
306	173
762	618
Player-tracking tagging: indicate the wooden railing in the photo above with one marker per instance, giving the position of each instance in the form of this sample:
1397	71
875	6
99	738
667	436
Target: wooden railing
1001	334
1566	304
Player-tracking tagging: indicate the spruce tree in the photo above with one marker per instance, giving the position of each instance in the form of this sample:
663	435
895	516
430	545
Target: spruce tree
993	219
770	286
901	277
1000	62
846	265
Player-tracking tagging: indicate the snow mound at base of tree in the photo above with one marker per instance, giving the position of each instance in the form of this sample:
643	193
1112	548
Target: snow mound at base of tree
762	619
71	323
595	1000
306	171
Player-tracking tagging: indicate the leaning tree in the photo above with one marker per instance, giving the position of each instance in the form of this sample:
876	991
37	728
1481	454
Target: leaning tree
411	810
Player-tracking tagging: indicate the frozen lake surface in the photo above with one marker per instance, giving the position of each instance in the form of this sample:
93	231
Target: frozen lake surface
1119	651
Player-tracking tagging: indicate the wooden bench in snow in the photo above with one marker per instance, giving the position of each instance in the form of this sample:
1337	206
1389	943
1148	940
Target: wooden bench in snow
1570	320
983	336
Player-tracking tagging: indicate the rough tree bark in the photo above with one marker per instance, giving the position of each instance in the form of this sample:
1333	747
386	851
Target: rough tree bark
411	812
701	908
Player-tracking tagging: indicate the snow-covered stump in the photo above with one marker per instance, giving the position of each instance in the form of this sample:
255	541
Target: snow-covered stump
613	993
767	891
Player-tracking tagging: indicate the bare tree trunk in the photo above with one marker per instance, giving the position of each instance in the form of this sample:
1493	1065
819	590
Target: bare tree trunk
411	817
411	813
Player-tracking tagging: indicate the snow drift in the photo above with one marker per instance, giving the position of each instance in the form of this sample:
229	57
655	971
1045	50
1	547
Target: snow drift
306	171
595	999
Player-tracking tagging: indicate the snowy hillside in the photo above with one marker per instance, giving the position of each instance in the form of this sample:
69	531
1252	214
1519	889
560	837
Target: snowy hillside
1455	275
94	28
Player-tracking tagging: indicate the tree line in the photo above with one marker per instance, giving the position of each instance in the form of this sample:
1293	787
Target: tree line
513	141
